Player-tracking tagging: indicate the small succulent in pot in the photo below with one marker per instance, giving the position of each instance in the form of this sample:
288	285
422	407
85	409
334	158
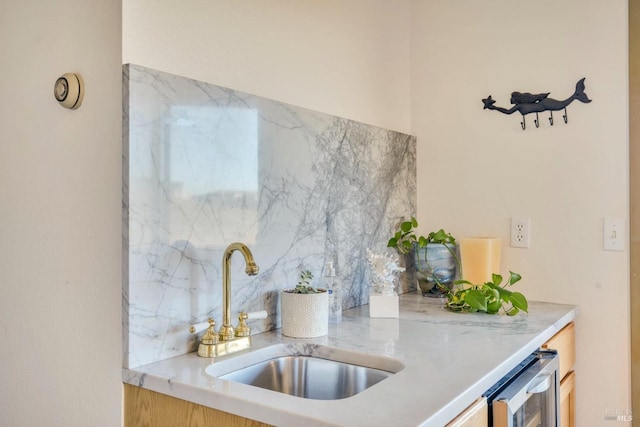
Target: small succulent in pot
304	285
305	309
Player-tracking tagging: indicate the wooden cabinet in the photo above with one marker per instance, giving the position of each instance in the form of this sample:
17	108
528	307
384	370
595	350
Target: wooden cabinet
568	400
476	415
146	408
564	342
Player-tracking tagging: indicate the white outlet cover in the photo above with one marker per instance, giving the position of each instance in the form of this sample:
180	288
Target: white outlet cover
520	232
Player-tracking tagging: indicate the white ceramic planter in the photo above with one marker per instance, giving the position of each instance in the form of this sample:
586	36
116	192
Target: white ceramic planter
305	315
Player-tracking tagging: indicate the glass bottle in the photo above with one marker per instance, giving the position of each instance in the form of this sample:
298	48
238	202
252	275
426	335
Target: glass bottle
335	294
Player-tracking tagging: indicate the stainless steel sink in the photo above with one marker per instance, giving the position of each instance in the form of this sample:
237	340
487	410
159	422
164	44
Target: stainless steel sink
309	377
311	371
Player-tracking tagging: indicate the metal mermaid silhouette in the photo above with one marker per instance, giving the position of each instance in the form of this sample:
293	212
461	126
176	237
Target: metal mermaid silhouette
527	103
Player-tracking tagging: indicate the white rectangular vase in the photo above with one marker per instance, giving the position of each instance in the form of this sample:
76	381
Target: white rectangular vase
384	306
305	315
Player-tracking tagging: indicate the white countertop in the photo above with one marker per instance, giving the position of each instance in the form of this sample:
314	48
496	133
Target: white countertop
450	359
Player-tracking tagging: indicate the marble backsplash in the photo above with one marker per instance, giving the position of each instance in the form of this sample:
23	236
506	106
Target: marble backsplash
205	166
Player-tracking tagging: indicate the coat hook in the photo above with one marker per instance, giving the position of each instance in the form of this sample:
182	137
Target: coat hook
527	103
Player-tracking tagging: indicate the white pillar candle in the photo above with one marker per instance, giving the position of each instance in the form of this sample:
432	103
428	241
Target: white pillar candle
480	257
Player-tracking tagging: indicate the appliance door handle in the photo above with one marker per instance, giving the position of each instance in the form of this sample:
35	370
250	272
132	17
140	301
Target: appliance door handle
540	384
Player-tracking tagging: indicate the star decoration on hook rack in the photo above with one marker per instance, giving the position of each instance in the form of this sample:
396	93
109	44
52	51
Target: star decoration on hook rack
488	102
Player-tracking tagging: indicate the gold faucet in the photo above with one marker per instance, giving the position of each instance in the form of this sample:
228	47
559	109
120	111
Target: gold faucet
226	330
227	340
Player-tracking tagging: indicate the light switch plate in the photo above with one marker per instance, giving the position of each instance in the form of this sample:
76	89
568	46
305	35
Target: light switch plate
614	234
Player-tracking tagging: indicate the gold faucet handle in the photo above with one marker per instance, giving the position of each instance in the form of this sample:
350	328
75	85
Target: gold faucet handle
207	347
243	330
210	336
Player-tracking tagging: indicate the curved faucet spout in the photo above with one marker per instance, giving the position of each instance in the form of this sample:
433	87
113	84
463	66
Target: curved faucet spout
226	330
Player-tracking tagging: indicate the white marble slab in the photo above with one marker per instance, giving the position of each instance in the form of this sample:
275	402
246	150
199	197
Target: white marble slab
449	360
206	166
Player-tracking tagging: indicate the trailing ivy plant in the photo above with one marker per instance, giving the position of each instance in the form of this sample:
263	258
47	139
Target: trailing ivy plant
405	237
489	297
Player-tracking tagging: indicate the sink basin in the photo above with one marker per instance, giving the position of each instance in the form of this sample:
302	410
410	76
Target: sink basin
309	377
315	372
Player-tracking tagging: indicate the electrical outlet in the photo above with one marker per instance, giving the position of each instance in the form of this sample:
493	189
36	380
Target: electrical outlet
520	232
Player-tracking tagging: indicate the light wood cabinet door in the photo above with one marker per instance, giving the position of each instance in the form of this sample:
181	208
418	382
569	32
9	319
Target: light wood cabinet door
146	408
568	400
476	415
564	342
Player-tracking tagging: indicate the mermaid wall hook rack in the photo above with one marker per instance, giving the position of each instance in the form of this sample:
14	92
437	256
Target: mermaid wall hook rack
527	103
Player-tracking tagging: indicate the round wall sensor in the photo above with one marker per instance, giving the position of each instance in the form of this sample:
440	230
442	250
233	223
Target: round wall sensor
69	90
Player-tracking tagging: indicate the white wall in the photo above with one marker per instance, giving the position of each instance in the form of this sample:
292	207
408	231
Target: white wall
477	168
60	216
349	59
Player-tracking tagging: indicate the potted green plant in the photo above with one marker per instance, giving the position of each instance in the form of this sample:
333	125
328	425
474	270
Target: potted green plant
436	259
488	297
305	309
